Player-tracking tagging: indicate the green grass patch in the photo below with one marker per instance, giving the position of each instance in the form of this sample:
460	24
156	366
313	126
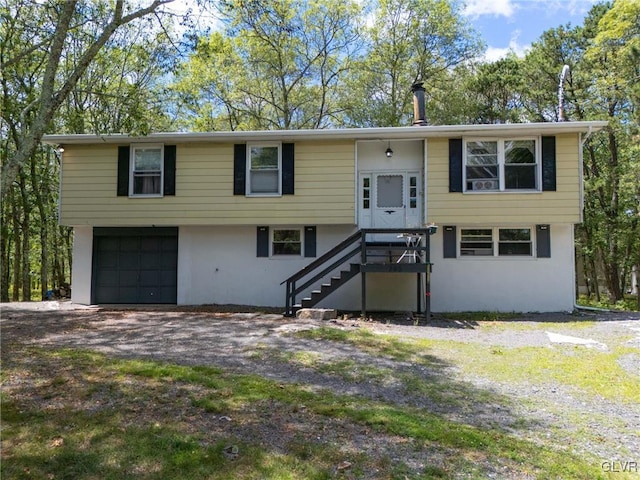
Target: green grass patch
118	419
594	372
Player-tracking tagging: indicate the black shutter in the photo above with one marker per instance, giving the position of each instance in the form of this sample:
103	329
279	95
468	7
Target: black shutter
449	247
169	186
309	241
123	171
287	169
543	241
239	169
455	165
263	242
549	164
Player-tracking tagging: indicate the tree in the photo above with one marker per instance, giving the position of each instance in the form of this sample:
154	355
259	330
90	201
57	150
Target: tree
496	88
278	65
409	40
114	92
602	55
41	33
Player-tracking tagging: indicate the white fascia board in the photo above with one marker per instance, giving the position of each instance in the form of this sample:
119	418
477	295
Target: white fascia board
383	133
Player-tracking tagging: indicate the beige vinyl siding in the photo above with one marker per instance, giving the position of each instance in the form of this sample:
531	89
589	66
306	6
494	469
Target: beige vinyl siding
561	206
324	189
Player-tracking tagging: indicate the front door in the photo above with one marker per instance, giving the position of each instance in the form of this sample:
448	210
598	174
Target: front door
389	206
390	200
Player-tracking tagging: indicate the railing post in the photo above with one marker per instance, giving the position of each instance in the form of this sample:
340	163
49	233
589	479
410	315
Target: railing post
363	274
287	307
293	295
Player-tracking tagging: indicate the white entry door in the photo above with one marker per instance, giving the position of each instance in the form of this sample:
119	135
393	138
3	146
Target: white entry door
389	207
390	200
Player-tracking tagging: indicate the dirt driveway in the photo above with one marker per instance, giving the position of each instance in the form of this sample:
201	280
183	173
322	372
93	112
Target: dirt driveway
210	336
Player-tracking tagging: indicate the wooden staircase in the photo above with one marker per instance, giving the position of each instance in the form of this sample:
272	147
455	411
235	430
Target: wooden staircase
360	256
328	288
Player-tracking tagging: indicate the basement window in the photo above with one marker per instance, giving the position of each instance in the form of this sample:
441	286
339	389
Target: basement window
286	242
487	242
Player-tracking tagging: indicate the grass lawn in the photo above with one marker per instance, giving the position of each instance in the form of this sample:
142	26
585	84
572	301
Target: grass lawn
74	414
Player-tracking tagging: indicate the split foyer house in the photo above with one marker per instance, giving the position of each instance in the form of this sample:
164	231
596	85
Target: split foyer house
480	217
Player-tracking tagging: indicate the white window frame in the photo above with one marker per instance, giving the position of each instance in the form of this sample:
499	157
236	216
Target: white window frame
286	255
502	163
132	165
495	242
250	146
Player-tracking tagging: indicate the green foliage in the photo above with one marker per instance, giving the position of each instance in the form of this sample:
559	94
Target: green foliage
409	41
603	66
278	65
628	304
134	419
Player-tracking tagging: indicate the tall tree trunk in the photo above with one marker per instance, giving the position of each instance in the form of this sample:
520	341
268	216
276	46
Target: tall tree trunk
17	244
40	188
594	274
68	242
25	226
5	252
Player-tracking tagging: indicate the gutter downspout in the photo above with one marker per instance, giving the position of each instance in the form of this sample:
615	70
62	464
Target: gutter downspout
591	309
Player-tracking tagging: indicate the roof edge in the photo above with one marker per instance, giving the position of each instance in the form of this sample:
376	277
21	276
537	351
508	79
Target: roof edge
378	133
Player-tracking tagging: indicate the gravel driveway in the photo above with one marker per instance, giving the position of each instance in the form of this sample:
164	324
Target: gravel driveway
209	336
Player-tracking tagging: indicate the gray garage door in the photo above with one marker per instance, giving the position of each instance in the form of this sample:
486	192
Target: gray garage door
135	265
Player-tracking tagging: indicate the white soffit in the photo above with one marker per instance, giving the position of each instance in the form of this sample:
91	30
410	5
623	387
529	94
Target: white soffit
384	133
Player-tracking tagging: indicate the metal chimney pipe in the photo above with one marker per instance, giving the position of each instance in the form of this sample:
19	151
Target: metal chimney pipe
419	113
563	74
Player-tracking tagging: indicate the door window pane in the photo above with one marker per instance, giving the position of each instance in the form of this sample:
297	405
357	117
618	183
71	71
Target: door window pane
389	189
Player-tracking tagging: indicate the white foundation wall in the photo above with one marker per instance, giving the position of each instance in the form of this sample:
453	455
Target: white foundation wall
218	265
505	284
82	264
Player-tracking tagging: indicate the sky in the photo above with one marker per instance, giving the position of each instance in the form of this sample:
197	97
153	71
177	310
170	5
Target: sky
513	25
505	25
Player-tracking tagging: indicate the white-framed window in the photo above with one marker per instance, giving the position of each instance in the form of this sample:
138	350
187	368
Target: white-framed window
515	241
264	164
476	241
492	165
496	241
147	171
286	241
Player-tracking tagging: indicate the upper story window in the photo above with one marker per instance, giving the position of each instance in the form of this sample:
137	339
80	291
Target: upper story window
264	164
499	165
147	164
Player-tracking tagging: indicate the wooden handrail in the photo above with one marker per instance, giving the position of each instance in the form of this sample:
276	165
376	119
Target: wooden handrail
359	236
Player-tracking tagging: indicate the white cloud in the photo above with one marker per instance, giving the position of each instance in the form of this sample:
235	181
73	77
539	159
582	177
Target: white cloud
572	7
496	8
494	53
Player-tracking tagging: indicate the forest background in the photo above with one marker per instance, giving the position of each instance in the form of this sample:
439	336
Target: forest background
94	66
